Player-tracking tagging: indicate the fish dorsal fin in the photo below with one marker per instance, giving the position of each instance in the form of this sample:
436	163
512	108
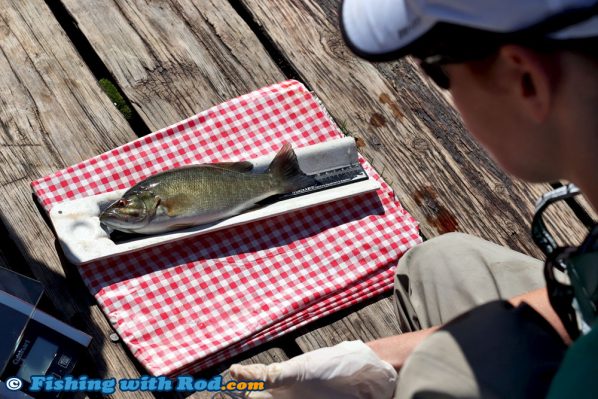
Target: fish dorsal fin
285	168
242	167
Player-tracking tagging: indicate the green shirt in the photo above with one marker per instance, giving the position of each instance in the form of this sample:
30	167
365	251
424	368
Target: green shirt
577	376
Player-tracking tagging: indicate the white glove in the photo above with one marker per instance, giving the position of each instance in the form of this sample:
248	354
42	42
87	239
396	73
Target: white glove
349	370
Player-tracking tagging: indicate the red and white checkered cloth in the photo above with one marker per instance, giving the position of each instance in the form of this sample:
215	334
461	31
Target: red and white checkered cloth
184	306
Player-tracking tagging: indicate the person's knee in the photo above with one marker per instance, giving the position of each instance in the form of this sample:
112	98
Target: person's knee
432	257
446	268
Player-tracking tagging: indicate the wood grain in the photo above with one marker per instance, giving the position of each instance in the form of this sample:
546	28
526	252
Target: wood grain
367	324
413	136
52	114
175	58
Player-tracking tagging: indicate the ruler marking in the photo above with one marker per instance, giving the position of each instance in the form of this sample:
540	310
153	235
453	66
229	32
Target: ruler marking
326	180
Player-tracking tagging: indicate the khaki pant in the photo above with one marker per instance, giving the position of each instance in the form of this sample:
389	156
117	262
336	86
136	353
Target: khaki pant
494	350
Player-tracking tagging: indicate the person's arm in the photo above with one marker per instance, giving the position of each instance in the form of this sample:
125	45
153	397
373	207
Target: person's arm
397	348
538	300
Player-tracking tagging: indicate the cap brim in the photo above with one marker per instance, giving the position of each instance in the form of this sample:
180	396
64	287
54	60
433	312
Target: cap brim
381	30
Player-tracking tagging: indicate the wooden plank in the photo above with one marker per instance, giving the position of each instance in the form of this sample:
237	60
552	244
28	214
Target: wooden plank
52	114
175	58
411	133
367	324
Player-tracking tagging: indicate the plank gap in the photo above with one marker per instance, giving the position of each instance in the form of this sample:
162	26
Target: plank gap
271	48
290	348
93	61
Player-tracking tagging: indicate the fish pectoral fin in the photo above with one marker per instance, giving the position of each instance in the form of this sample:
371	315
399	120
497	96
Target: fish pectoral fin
242	167
176	205
154	207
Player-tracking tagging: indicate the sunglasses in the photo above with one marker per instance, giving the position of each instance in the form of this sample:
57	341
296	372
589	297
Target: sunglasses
433	67
571	272
436	73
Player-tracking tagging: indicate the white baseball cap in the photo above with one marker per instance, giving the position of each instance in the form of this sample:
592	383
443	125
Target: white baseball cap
386	29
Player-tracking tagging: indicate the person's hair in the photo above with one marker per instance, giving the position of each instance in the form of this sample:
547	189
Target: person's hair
469	43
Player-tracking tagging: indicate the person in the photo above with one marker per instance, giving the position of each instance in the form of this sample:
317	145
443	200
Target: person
477	318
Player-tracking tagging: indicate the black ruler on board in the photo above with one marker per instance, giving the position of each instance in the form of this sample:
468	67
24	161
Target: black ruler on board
326	180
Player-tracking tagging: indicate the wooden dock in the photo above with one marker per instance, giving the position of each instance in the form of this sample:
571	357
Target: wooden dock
173	58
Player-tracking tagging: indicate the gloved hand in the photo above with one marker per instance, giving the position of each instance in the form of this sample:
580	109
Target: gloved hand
349	370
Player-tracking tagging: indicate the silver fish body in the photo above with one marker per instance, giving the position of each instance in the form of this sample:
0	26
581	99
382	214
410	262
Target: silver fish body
201	194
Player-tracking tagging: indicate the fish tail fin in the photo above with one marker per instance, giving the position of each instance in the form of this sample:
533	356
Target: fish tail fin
285	169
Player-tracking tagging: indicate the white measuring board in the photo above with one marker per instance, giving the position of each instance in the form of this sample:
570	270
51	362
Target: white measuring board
84	239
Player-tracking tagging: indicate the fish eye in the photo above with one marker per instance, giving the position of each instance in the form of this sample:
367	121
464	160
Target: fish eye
123	202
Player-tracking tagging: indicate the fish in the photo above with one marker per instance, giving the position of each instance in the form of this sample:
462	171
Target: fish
201	194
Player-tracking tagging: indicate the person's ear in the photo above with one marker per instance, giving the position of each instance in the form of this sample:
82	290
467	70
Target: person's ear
531	79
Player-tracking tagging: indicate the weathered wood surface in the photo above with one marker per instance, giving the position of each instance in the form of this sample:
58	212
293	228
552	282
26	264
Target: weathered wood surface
175	58
412	135
367	324
52	114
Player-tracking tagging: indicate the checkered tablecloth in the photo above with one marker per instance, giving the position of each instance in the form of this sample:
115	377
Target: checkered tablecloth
187	305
